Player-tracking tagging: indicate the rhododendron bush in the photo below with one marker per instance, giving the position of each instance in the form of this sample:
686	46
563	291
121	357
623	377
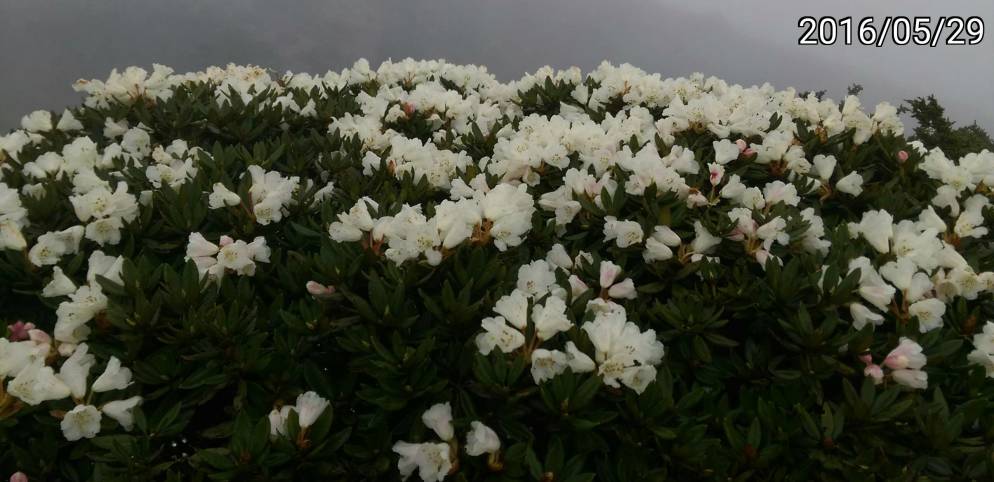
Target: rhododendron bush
419	272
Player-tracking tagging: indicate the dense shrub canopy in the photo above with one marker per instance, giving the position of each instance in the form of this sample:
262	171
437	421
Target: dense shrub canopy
419	271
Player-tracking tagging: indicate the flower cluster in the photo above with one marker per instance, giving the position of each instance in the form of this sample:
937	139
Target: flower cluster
435	460
538	306
501	215
239	257
34	381
309	406
906	363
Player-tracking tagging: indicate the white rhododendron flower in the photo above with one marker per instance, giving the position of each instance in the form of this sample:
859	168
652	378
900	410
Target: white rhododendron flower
725	151
481	439
60	285
73	315
114	377
623	233
17	355
851	184
550	318
615	289
431	460
658	247
122	411
309	407
535	278
76	369
271	194
221	196
52	246
215	260
578	361
546	364
13	218
983	349
906	362
929	313
81	422
439	419
623	352
37	121
498	334
277	420
514	308
36	383
861	316
877	227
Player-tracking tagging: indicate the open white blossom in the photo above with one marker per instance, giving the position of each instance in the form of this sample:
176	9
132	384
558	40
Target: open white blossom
623	352
906	362
60	285
498	334
623	233
52	246
481	439
13	218
215	260
122	411
851	184
72	315
439	419
309	407
983	349
550	318
81	422
114	377
546	364
76	369
221	196
271	194
431	460
36	383
17	355
877	227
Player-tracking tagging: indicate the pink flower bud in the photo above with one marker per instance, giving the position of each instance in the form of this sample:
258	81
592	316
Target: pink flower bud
742	144
408	108
907	355
577	286
609	272
319	290
19	331
592	188
715	173
225	240
39	337
762	255
902	156
19	477
696	200
624	289
875	372
736	234
748	152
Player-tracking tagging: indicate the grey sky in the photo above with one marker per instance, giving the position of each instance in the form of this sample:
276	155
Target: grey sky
45	44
